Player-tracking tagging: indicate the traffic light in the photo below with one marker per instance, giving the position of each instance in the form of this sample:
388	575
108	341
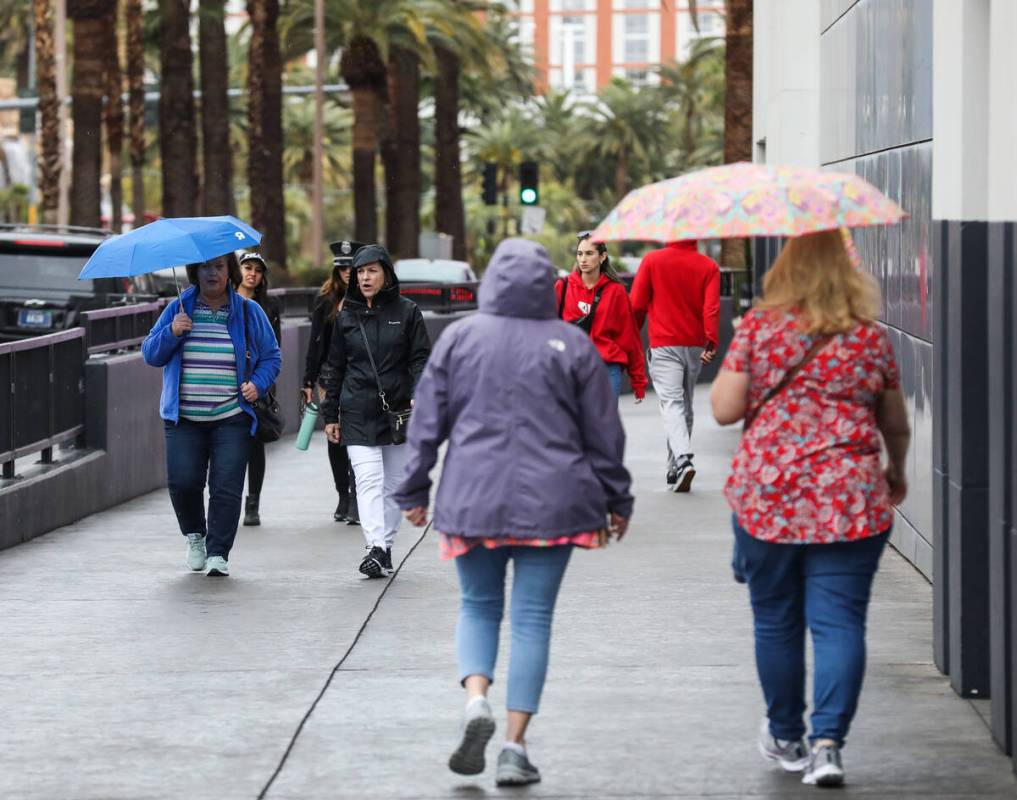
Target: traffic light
529	183
490	184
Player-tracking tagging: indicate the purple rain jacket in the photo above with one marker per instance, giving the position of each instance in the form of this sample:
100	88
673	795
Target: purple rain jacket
535	443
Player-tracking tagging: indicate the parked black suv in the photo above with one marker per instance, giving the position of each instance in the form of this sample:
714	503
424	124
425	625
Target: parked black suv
39	287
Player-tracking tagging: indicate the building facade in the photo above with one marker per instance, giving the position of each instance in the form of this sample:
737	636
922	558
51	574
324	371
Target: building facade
917	97
582	44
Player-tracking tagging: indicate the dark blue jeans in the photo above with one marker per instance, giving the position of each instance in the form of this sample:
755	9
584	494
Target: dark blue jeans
614	372
216	452
826	588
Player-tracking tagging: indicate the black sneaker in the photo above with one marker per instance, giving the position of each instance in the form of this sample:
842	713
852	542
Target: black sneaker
373	564
672	477
386	564
686	472
341	511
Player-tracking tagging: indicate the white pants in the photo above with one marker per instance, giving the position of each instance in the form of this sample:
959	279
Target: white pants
674	372
378	471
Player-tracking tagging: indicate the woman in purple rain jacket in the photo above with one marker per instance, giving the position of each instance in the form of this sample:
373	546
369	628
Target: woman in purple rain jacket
533	469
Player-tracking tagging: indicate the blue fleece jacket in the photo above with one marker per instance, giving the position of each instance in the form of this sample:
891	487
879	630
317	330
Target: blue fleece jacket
162	349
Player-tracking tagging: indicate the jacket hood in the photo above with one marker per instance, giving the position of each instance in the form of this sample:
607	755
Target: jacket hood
368	254
685	244
518	282
576	279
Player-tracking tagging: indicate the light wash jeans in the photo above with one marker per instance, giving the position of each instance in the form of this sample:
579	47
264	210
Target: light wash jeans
378	471
674	372
614	372
537	576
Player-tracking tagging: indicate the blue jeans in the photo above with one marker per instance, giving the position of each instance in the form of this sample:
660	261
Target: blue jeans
826	588
537	575
614	372
216	451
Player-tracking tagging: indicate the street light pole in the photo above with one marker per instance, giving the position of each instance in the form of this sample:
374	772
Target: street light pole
317	212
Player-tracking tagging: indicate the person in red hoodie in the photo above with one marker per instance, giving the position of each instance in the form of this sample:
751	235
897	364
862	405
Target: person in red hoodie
593	298
680	290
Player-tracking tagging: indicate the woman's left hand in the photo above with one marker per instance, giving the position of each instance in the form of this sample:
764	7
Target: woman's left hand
249	391
416	516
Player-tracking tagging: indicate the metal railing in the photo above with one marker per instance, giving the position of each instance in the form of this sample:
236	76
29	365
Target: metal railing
44	406
117	328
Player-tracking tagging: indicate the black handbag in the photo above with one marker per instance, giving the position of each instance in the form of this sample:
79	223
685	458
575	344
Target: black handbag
398	421
585	322
266	408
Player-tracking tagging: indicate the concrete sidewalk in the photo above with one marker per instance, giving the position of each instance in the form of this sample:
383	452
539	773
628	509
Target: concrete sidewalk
124	676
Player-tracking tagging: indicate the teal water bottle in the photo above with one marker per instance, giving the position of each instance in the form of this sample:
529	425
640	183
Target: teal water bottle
307	425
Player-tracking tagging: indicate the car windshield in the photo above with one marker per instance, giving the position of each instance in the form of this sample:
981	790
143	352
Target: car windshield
43	271
423	269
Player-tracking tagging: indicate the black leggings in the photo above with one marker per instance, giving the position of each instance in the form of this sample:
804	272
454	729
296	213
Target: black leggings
256	467
342	471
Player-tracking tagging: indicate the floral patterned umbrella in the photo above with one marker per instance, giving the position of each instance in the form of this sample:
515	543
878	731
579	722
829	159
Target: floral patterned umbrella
739	200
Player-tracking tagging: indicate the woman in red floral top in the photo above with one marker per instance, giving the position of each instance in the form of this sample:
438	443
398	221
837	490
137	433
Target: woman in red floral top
815	379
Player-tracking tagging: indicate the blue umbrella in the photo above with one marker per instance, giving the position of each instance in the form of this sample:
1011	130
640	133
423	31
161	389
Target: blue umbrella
169	242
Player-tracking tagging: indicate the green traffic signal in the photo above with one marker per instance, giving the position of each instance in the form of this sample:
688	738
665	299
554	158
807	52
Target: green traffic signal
528	197
529	183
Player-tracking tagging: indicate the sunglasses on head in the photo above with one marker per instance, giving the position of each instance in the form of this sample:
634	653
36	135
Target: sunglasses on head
583	235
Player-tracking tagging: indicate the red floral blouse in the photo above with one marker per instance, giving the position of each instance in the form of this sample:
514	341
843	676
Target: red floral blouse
809	470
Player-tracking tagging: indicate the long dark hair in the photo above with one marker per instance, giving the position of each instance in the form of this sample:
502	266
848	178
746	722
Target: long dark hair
333	290
605	267
261	290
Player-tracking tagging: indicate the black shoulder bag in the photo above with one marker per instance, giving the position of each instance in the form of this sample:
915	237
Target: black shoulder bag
398	421
584	322
266	408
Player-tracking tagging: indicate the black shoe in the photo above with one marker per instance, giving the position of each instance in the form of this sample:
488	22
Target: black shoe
353	512
341	511
251	517
386	564
373	564
672	477
686	472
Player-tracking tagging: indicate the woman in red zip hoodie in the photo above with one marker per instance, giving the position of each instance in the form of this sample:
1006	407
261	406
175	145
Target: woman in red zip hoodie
593	298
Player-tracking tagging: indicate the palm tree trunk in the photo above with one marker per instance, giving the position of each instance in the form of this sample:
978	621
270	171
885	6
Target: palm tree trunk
136	107
215	123
177	136
49	111
90	19
401	154
264	111
113	115
621	175
449	215
737	104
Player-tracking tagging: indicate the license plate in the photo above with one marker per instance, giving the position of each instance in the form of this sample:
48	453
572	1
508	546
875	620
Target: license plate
33	318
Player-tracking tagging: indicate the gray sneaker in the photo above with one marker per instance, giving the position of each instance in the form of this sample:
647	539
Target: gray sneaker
196	551
217	567
824	768
792	756
515	769
478	728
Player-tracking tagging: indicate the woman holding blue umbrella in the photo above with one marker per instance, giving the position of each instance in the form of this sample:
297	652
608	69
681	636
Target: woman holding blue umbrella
201	341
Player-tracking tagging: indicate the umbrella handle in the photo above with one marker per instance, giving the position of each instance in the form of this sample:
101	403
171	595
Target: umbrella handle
176	280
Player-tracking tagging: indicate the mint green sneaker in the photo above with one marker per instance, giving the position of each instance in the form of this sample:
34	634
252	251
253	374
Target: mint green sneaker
217	567
196	551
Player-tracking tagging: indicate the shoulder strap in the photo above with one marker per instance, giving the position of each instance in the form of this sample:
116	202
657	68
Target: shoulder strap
561	301
374	367
817	345
247	347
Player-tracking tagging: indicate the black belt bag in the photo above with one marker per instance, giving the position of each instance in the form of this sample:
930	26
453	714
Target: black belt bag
398	421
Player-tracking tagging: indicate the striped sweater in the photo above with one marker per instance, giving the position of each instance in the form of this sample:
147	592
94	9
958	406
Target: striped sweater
208	380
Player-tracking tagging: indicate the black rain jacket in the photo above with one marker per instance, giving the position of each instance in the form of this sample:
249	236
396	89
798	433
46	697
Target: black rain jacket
400	345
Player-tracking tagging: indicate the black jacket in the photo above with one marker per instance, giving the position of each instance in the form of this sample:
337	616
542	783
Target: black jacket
400	345
321	338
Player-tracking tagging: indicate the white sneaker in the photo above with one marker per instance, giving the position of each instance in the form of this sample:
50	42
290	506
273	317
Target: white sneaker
196	551
216	566
792	756
478	728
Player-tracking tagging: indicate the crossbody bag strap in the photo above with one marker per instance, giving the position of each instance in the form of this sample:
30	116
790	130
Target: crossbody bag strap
374	367
817	345
247	347
596	302
561	300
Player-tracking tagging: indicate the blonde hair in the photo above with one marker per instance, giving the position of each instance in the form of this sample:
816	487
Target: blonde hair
814	278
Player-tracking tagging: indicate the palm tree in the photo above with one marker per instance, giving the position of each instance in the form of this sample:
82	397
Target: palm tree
400	150
217	197
113	118
264	110
49	111
90	18
738	103
177	135
298	153
136	106
695	89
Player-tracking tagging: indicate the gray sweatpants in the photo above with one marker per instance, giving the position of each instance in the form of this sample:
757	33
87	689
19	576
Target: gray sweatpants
674	372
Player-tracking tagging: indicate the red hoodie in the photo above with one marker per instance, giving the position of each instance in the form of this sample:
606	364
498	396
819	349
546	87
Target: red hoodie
614	332
681	290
